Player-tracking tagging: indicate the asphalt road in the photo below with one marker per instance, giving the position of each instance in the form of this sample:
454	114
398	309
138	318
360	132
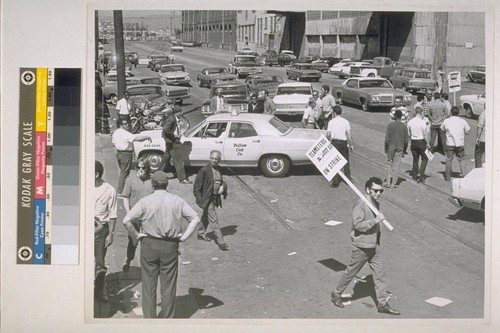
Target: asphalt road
284	261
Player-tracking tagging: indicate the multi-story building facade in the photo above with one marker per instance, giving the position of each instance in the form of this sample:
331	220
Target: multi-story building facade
258	30
213	28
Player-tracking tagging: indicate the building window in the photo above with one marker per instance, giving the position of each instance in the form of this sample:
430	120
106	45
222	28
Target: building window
265	23
246	14
313	15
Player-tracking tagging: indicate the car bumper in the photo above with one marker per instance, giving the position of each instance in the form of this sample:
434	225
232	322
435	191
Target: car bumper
386	104
289	112
455	201
176	97
176	82
249	72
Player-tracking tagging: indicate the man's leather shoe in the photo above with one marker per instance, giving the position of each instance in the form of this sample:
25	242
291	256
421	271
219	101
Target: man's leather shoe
203	237
126	266
224	247
185	181
386	308
337	300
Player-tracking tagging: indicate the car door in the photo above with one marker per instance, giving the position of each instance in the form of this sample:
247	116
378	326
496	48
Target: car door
209	137
243	145
351	92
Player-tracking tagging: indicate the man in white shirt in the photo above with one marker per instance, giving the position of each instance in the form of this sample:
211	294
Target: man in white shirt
319	107
455	129
123	141
328	102
218	101
418	131
480	141
309	117
339	133
123	107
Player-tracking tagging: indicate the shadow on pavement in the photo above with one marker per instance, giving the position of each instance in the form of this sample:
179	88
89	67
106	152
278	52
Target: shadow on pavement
187	305
467	215
364	288
333	264
229	230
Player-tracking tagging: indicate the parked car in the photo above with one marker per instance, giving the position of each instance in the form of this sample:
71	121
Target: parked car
112	77
245	50
321	65
344	68
160	62
259	82
369	93
235	93
473	105
155	57
174	74
331	60
477	75
381	66
292	98
177	48
142	95
268	53
469	191
304	59
245	140
413	80
286	57
269	60
244	65
303	71
208	76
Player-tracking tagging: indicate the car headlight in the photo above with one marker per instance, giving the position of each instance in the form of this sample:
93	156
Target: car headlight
375	98
204	108
187	78
407	97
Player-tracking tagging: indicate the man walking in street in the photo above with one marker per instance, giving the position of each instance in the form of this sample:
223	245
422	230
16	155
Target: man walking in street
136	187
456	129
123	141
208	188
418	131
480	140
173	147
328	103
218	102
123	107
160	215
104	224
269	106
339	133
365	239
396	143
437	114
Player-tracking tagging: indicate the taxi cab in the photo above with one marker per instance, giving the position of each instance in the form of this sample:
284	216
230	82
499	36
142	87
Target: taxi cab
245	140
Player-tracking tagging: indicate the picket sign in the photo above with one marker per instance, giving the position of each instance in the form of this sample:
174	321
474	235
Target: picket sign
329	162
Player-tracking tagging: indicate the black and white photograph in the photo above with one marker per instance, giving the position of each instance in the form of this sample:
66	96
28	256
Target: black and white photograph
222	166
212	199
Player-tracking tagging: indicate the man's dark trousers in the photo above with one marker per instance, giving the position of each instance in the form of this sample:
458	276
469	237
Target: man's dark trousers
418	148
341	146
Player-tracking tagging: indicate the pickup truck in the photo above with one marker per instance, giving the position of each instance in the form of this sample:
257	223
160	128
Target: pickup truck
244	65
381	66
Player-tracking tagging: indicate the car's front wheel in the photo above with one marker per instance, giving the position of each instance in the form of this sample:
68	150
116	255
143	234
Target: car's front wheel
339	99
154	159
275	166
468	111
470	78
364	105
200	84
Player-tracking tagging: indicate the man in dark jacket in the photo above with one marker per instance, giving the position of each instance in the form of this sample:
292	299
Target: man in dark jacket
396	143
171	135
208	188
365	239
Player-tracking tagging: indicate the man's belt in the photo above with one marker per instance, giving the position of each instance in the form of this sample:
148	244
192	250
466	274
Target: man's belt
163	238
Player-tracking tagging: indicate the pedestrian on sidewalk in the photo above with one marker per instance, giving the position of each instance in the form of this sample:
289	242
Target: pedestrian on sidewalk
104	223
365	240
339	133
136	187
123	140
437	114
123	107
208	188
328	102
418	131
396	143
160	215
480	140
173	147
456	129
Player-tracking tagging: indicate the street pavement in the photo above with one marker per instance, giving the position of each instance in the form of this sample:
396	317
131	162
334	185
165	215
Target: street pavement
284	261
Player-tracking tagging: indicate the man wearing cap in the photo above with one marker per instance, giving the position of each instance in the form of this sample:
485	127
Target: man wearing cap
104	224
160	215
173	146
136	187
123	141
208	188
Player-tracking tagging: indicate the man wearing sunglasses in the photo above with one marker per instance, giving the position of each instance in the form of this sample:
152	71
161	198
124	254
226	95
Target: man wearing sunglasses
365	238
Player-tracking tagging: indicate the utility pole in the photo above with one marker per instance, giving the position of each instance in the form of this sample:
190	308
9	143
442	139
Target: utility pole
120	52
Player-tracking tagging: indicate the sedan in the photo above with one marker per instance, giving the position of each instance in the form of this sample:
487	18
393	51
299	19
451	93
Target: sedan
469	191
303	71
477	75
245	140
174	74
208	76
257	83
473	105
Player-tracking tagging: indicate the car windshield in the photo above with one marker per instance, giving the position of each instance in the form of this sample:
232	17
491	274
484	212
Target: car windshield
305	67
245	59
233	90
305	90
481	69
217	71
374	84
172	69
422	75
153	80
279	125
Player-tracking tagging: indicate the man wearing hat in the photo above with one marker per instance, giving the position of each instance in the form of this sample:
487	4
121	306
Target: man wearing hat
160	215
171	135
